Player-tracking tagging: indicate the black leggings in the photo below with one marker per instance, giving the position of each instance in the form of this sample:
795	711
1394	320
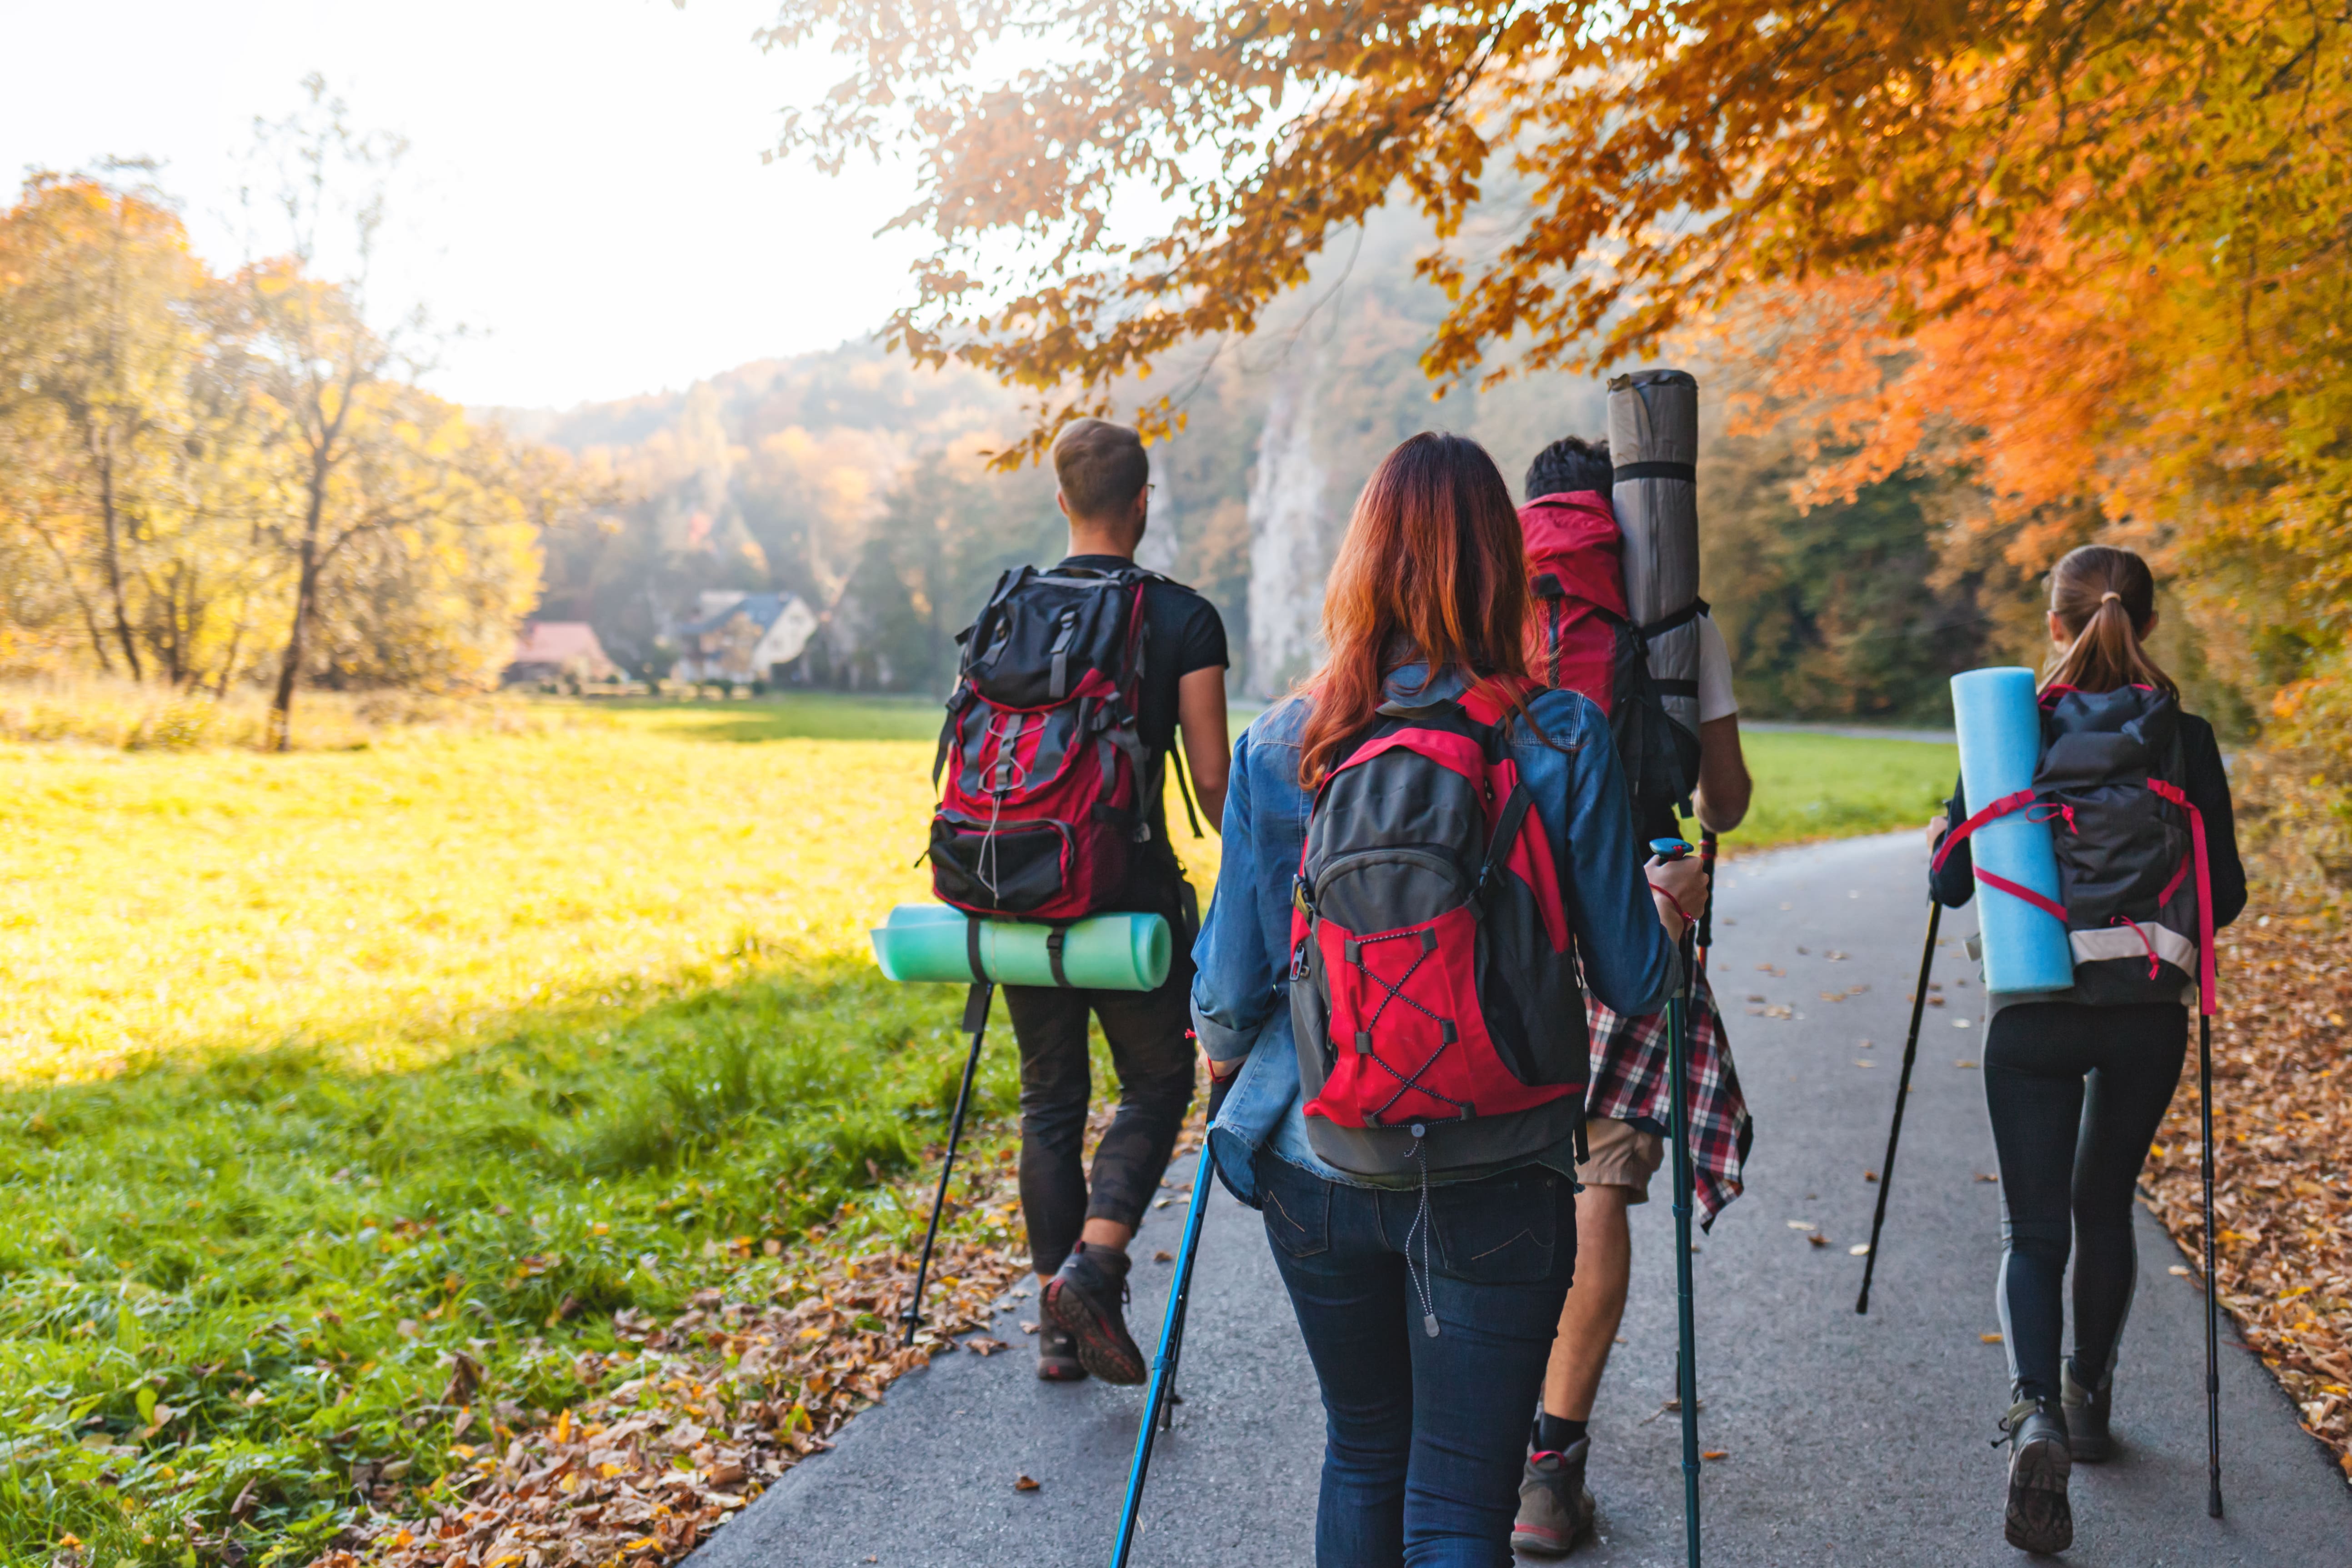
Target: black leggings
1151	1048
2075	1094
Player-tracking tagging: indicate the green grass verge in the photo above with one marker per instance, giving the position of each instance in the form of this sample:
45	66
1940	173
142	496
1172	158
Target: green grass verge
234	1281
1837	786
234	1268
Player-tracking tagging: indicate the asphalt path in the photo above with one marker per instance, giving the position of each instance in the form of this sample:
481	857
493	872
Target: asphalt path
1847	1439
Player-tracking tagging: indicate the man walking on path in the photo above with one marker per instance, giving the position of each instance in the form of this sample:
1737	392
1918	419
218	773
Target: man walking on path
1078	1230
1627	1109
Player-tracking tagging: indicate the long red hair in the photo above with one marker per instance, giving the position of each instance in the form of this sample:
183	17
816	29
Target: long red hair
1433	571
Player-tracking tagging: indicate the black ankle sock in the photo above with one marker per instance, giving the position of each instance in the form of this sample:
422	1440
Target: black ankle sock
1557	1433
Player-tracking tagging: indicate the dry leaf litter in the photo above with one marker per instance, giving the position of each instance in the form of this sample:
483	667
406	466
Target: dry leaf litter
2282	1127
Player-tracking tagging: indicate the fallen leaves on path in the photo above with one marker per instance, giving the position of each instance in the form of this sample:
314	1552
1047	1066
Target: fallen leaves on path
692	1418
2283	1124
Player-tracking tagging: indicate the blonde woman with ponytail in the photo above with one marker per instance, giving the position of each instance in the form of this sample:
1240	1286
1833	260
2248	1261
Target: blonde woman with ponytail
2077	1081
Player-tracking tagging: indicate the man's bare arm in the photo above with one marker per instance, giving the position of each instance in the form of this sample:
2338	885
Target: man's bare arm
1208	749
1724	786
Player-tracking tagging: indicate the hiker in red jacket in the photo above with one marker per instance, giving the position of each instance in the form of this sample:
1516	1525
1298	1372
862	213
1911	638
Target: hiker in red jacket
1587	644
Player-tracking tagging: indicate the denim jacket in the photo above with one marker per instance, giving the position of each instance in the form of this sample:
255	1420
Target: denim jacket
1241	995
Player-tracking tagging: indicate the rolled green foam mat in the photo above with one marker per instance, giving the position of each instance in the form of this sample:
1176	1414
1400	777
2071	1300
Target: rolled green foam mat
1100	952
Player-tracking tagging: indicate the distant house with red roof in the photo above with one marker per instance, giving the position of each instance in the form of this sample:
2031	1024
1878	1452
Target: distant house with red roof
559	650
744	636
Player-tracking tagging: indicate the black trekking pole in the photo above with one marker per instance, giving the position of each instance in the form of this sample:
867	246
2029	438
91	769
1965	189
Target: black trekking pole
975	1022
1902	1097
1707	846
1157	1406
2212	1331
1678	1027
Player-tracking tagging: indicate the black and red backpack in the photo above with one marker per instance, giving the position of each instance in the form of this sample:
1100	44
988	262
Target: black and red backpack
1583	638
1043	767
2134	889
1434	991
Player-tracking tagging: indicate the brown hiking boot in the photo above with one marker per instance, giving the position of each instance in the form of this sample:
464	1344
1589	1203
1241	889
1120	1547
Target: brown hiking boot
1087	1299
1555	1510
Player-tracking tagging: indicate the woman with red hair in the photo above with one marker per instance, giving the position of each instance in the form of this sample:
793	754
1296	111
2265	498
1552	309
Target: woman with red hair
1421	1211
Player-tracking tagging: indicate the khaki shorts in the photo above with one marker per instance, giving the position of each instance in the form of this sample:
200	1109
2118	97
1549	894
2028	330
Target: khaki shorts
1622	1155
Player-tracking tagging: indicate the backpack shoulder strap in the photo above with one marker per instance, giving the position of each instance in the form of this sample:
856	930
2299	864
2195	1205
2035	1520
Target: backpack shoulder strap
2180	797
1498	847
1184	785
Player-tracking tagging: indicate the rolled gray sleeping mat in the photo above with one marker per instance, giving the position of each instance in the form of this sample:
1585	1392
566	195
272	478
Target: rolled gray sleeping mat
1654	443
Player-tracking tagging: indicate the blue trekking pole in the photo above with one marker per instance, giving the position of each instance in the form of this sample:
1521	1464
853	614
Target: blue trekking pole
1157	1406
1678	1027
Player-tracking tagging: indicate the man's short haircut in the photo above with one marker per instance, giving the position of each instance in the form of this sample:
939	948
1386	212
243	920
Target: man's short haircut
1570	463
1101	467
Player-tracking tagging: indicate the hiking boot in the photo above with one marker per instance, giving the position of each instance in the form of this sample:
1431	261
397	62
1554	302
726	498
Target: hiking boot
2086	1416
1555	1508
1057	1355
2039	1518
1086	1299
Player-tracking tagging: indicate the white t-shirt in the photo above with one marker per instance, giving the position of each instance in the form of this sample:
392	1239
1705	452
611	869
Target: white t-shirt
1715	698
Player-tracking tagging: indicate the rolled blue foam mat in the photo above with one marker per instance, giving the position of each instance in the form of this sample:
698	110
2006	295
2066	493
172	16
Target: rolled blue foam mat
2025	949
1100	952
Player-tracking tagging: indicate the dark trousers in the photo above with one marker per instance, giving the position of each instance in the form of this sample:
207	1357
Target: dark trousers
1150	1050
1423	1436
2075	1094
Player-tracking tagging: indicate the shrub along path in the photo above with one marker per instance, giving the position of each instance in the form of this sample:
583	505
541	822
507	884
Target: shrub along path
1844	1439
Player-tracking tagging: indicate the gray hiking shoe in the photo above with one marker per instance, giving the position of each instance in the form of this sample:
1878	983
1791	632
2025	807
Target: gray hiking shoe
2039	1518
1555	1510
1057	1355
2086	1416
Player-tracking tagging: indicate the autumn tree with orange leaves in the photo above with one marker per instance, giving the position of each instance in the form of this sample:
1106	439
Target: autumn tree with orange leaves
2091	257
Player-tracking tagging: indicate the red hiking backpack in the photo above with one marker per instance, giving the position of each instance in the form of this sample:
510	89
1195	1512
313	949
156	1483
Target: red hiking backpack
1583	638
1433	992
1042	806
2134	890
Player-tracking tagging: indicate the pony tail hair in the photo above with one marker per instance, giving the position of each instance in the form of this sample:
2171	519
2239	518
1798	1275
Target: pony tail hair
2104	597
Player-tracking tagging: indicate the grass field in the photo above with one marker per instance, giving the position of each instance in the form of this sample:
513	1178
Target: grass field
316	1071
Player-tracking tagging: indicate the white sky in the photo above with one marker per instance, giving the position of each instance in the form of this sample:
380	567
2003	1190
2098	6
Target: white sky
584	192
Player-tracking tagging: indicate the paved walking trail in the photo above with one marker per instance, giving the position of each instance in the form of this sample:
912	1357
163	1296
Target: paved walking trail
1849	1440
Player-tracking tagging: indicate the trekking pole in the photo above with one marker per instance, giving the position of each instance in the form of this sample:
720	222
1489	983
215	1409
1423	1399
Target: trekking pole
1678	1027
1707	853
1164	1364
975	1022
2213	1332
1902	1097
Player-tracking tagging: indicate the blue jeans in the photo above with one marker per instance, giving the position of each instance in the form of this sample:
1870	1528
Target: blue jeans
1424	1438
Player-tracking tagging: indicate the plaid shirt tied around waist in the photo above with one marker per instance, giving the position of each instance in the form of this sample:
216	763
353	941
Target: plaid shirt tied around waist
1629	1083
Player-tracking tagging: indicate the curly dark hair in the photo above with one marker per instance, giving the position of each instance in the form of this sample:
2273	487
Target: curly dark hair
1570	463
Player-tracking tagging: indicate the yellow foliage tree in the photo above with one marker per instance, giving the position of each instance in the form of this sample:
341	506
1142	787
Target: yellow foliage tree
110	421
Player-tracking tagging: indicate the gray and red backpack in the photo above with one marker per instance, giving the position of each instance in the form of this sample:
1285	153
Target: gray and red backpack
2134	890
1042	806
1434	989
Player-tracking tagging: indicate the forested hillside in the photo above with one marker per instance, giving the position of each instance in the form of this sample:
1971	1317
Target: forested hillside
860	483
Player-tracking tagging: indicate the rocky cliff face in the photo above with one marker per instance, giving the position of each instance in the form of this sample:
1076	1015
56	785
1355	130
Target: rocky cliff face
1289	537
